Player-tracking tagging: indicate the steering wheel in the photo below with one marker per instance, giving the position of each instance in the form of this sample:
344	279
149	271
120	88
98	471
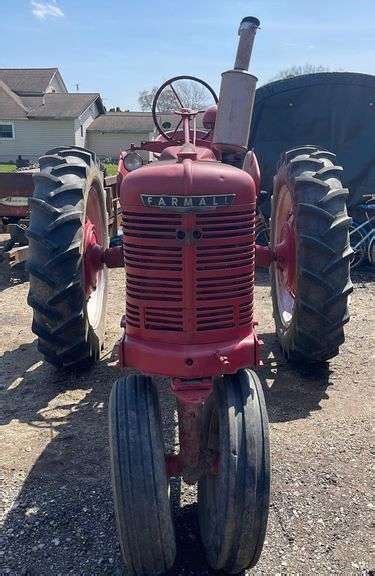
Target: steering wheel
174	98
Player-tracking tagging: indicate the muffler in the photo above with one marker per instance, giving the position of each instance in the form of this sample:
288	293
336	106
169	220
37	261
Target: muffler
237	93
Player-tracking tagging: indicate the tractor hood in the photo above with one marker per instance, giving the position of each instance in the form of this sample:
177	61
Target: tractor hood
187	185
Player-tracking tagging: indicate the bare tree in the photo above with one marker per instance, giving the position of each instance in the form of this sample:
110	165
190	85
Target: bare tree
190	94
146	98
299	71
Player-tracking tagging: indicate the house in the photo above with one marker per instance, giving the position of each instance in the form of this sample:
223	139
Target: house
112	132
37	113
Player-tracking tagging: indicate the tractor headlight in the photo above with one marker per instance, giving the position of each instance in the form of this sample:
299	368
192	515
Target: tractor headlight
132	161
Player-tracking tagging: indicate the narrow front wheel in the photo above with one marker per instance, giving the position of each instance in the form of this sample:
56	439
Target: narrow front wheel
233	501
139	479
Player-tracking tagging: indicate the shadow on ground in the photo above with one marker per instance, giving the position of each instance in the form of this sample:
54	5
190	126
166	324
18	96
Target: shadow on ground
292	391
62	521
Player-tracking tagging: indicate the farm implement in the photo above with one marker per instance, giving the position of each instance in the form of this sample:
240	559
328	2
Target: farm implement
16	190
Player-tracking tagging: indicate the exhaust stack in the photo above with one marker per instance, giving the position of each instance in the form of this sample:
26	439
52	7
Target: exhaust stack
237	93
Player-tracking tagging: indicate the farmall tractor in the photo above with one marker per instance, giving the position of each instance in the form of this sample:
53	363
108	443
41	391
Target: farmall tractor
188	250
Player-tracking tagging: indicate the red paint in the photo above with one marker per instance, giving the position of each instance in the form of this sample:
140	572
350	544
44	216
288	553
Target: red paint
16	184
263	256
191	391
173	465
92	256
113	257
189	277
92	241
285	253
251	166
209	117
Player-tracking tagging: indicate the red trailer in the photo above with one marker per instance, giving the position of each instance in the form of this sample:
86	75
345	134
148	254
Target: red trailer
16	189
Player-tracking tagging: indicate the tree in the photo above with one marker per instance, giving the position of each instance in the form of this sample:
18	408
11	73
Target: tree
166	100
298	71
190	94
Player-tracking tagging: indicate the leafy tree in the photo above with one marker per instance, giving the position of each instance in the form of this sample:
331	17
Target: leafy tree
298	71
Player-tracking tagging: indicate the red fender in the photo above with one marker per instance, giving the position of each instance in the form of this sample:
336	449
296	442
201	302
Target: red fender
251	166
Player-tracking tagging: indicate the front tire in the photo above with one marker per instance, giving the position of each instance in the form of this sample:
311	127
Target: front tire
233	504
139	479
68	217
310	279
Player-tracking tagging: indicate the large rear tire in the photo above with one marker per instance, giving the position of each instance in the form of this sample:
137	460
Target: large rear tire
139	479
233	503
310	280
68	217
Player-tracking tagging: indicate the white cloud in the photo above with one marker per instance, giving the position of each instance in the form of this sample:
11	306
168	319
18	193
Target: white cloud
43	10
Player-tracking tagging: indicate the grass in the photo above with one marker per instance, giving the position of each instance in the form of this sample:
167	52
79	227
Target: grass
8	167
111	169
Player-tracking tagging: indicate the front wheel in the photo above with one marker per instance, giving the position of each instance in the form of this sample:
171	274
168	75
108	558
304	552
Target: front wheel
310	280
233	502
139	479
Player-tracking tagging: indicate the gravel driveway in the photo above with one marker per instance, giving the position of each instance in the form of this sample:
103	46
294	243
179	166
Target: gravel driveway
55	487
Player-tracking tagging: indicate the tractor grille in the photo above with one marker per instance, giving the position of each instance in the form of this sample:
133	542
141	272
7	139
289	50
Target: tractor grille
225	225
224	256
170	319
161	225
193	286
223	287
215	318
162	289
154	258
132	315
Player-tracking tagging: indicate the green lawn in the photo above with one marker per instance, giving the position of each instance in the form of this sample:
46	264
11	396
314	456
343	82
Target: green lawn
111	169
8	167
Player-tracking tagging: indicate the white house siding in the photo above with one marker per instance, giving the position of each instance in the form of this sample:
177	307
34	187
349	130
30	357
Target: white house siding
34	137
110	144
56	85
85	120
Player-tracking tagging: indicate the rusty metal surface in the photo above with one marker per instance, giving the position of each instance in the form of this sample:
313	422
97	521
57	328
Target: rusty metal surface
16	184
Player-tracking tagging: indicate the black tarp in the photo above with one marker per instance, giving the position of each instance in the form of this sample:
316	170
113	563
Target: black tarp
332	110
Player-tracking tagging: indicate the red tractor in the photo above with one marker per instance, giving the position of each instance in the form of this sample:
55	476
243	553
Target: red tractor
188	249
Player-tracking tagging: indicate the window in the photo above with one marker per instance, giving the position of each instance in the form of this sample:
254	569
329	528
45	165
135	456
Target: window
7	131
81	131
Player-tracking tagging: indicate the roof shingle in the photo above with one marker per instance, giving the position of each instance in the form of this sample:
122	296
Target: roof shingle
11	106
56	105
131	122
27	80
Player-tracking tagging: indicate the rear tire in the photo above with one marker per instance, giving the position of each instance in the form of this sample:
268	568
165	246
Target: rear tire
233	504
139	479
69	323
310	318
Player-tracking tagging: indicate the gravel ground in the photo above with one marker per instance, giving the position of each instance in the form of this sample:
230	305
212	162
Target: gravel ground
55	489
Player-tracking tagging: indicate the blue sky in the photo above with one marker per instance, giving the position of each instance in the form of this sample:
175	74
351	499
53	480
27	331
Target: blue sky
118	47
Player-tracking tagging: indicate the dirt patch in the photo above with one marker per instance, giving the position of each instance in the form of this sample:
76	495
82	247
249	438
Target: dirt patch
55	486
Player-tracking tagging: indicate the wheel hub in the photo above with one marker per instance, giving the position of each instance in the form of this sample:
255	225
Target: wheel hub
285	251
93	252
284	248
